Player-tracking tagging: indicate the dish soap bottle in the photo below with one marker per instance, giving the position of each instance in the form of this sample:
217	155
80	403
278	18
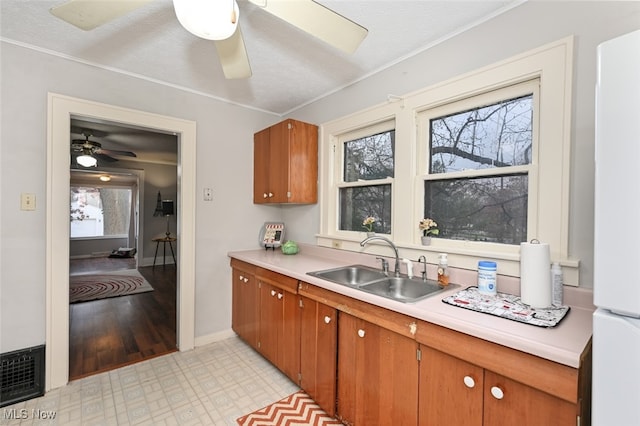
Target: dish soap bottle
443	270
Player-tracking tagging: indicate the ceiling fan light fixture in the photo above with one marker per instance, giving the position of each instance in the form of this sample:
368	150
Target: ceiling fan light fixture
86	161
211	20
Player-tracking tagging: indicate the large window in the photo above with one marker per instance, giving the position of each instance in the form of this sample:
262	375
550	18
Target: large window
366	175
478	159
99	212
485	154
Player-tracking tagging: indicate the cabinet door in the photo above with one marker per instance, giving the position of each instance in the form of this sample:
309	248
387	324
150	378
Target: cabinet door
280	329
245	307
279	162
261	192
303	162
377	375
318	352
451	390
507	402
270	321
289	336
285	163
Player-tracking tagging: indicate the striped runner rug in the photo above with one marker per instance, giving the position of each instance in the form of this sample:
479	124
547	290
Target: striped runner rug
295	410
86	287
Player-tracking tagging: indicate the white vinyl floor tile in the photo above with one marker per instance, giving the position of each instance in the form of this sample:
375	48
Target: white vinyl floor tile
210	385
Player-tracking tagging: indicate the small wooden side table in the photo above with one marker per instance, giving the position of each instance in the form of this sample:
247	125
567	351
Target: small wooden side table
164	241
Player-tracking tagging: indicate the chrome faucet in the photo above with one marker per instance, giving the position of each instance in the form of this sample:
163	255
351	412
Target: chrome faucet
423	259
393	246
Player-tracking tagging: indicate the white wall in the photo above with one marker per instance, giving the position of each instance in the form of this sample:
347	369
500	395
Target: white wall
528	26
224	163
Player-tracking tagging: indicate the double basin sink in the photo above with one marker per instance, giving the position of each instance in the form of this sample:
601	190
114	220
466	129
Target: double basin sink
371	280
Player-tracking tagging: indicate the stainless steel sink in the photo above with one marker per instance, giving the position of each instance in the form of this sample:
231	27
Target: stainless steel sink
403	289
354	275
371	280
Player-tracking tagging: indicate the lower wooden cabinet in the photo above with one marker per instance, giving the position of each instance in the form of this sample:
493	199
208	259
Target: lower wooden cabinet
450	390
265	314
509	402
245	316
318	352
465	380
377	374
453	391
367	365
279	332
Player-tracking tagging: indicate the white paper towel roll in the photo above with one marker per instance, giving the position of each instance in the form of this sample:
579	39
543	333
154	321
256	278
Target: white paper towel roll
535	275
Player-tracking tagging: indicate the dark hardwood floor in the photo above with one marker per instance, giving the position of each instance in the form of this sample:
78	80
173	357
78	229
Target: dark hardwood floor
111	333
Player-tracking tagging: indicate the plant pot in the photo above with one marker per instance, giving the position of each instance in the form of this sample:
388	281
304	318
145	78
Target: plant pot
426	241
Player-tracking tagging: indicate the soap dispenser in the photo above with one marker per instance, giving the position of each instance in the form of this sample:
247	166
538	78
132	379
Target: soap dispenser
443	270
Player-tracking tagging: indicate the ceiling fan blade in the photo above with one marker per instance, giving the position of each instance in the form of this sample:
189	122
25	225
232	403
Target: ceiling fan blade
319	21
89	14
102	151
104	157
233	56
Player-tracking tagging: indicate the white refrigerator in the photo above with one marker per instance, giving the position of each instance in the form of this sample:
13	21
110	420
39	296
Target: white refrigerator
616	322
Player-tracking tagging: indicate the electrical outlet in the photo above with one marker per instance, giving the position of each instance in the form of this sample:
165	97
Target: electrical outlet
336	244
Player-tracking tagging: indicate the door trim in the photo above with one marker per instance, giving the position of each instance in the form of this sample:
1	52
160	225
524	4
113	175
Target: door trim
60	110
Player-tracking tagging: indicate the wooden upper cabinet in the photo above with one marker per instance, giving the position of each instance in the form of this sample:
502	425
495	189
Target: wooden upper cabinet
285	164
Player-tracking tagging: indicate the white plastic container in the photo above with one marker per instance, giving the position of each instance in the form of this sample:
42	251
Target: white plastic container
557	285
487	277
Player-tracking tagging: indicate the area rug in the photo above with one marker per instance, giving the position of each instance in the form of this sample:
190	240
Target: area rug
295	410
86	287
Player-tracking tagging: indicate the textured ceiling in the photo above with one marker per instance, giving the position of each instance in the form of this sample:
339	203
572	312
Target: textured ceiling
290	68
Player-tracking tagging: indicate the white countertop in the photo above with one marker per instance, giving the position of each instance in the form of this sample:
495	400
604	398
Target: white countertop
563	343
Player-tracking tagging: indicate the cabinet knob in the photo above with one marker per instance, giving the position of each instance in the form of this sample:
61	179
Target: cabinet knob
273	292
270	194
361	333
264	195
246	280
327	319
280	295
241	278
469	382
497	392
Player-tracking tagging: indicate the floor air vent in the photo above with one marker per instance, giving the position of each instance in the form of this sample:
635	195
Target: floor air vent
21	375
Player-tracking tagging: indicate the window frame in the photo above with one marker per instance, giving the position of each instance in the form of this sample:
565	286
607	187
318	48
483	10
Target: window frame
132	210
341	140
498	94
552	65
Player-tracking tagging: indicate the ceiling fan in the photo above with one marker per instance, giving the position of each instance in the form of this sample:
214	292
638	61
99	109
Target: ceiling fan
89	152
217	20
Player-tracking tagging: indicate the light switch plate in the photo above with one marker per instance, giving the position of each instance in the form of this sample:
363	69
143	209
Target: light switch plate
27	201
208	194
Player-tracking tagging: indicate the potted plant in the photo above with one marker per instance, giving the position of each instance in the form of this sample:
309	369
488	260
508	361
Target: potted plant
367	224
428	227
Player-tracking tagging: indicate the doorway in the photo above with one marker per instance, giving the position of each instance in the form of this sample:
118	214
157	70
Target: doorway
60	110
110	328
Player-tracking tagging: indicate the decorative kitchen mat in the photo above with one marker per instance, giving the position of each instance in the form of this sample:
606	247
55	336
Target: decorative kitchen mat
507	306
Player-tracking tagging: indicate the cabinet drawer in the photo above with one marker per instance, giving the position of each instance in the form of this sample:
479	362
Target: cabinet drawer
278	280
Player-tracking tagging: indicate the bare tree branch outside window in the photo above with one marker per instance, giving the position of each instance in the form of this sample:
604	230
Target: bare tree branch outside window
484	208
367	158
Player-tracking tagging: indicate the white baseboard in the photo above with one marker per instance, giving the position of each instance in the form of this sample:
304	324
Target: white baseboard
214	337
